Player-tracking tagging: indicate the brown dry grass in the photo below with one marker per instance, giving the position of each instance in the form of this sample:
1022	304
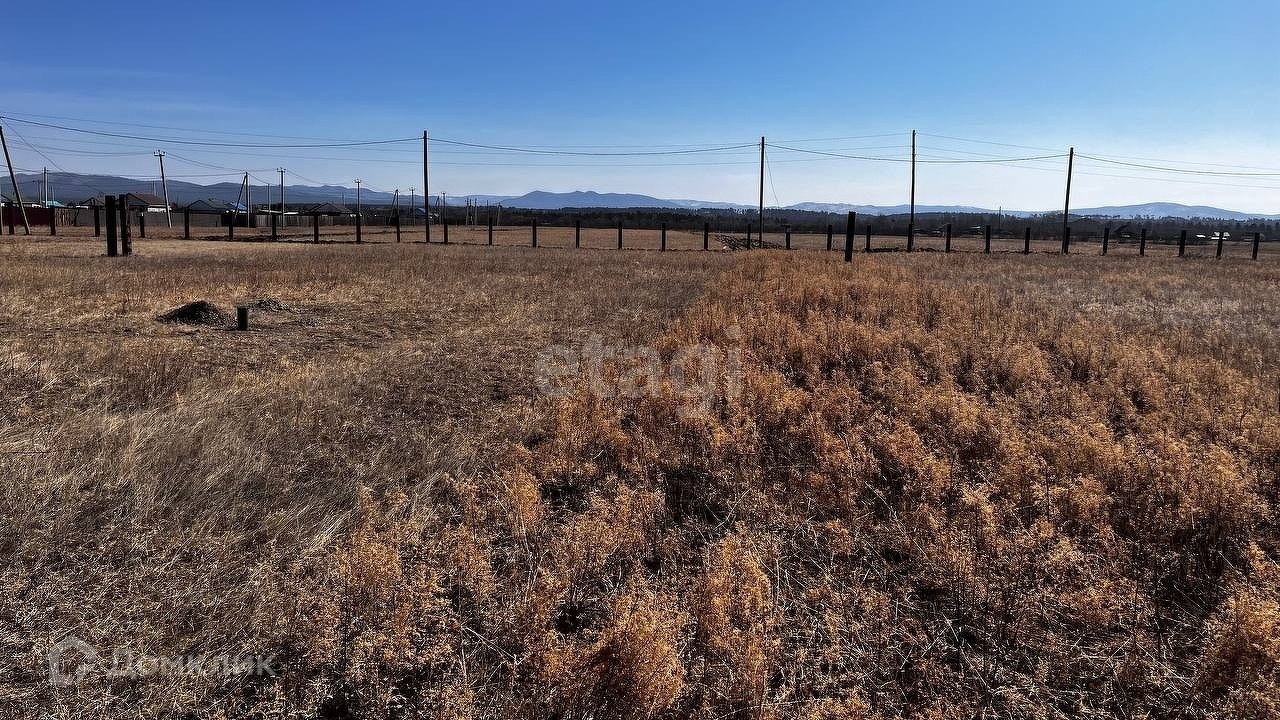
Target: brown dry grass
950	486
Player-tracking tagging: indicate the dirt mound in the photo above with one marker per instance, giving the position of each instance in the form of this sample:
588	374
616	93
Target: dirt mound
198	312
268	305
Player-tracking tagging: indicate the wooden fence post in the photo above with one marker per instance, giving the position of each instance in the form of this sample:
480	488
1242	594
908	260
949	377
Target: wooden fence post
948	245
1221	236
748	235
359	224
619	234
706	235
1182	244
577	232
911	236
1142	243
1257	238
867	248
1106	239
490	229
663	246
142	225
848	237
9	211
315	228
186	223
533	228
396	219
231	226
830	232
1066	240
97	222
111	225
444	226
126	239
788	242
53	222
986	240
1026	242
275	235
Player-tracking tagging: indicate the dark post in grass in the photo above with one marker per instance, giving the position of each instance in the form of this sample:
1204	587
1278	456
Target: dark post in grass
315	228
706	235
986	240
788	245
1026	242
1182	244
830	232
111	226
97	222
1142	243
490	229
186	223
663	246
533	232
444	226
142	226
1218	254
396	218
1066	240
126	239
748	236
275	235
231	226
1106	239
577	232
911	236
8	206
948	245
867	248
848	237
619	234
1257	238
242	318
53	221
359	225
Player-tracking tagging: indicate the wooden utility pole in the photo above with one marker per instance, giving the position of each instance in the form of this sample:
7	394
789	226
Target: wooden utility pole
164	186
761	198
281	171
911	223
359	215
426	191
17	194
1066	211
413	209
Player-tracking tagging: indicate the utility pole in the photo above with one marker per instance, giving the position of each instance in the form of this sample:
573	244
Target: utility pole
1066	211
358	181
911	224
281	171
413	207
45	187
17	194
248	202
761	194
426	189
164	186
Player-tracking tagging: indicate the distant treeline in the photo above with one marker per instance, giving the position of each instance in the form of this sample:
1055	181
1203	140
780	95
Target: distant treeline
807	221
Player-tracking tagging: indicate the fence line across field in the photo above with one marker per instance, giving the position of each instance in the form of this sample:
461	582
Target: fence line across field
122	222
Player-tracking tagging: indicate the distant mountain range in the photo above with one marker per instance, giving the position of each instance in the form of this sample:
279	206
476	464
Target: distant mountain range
72	188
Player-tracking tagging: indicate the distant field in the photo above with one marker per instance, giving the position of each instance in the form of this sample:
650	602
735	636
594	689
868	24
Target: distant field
911	485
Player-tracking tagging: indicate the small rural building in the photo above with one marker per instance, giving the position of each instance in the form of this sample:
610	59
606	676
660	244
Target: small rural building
144	202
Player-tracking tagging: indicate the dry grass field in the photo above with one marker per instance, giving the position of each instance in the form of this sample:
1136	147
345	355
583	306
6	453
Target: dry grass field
939	486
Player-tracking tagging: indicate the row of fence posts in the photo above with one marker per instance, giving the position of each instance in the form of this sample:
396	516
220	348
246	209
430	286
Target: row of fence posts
117	212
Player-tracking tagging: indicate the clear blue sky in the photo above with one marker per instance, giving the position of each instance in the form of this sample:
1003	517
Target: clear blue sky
1178	82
